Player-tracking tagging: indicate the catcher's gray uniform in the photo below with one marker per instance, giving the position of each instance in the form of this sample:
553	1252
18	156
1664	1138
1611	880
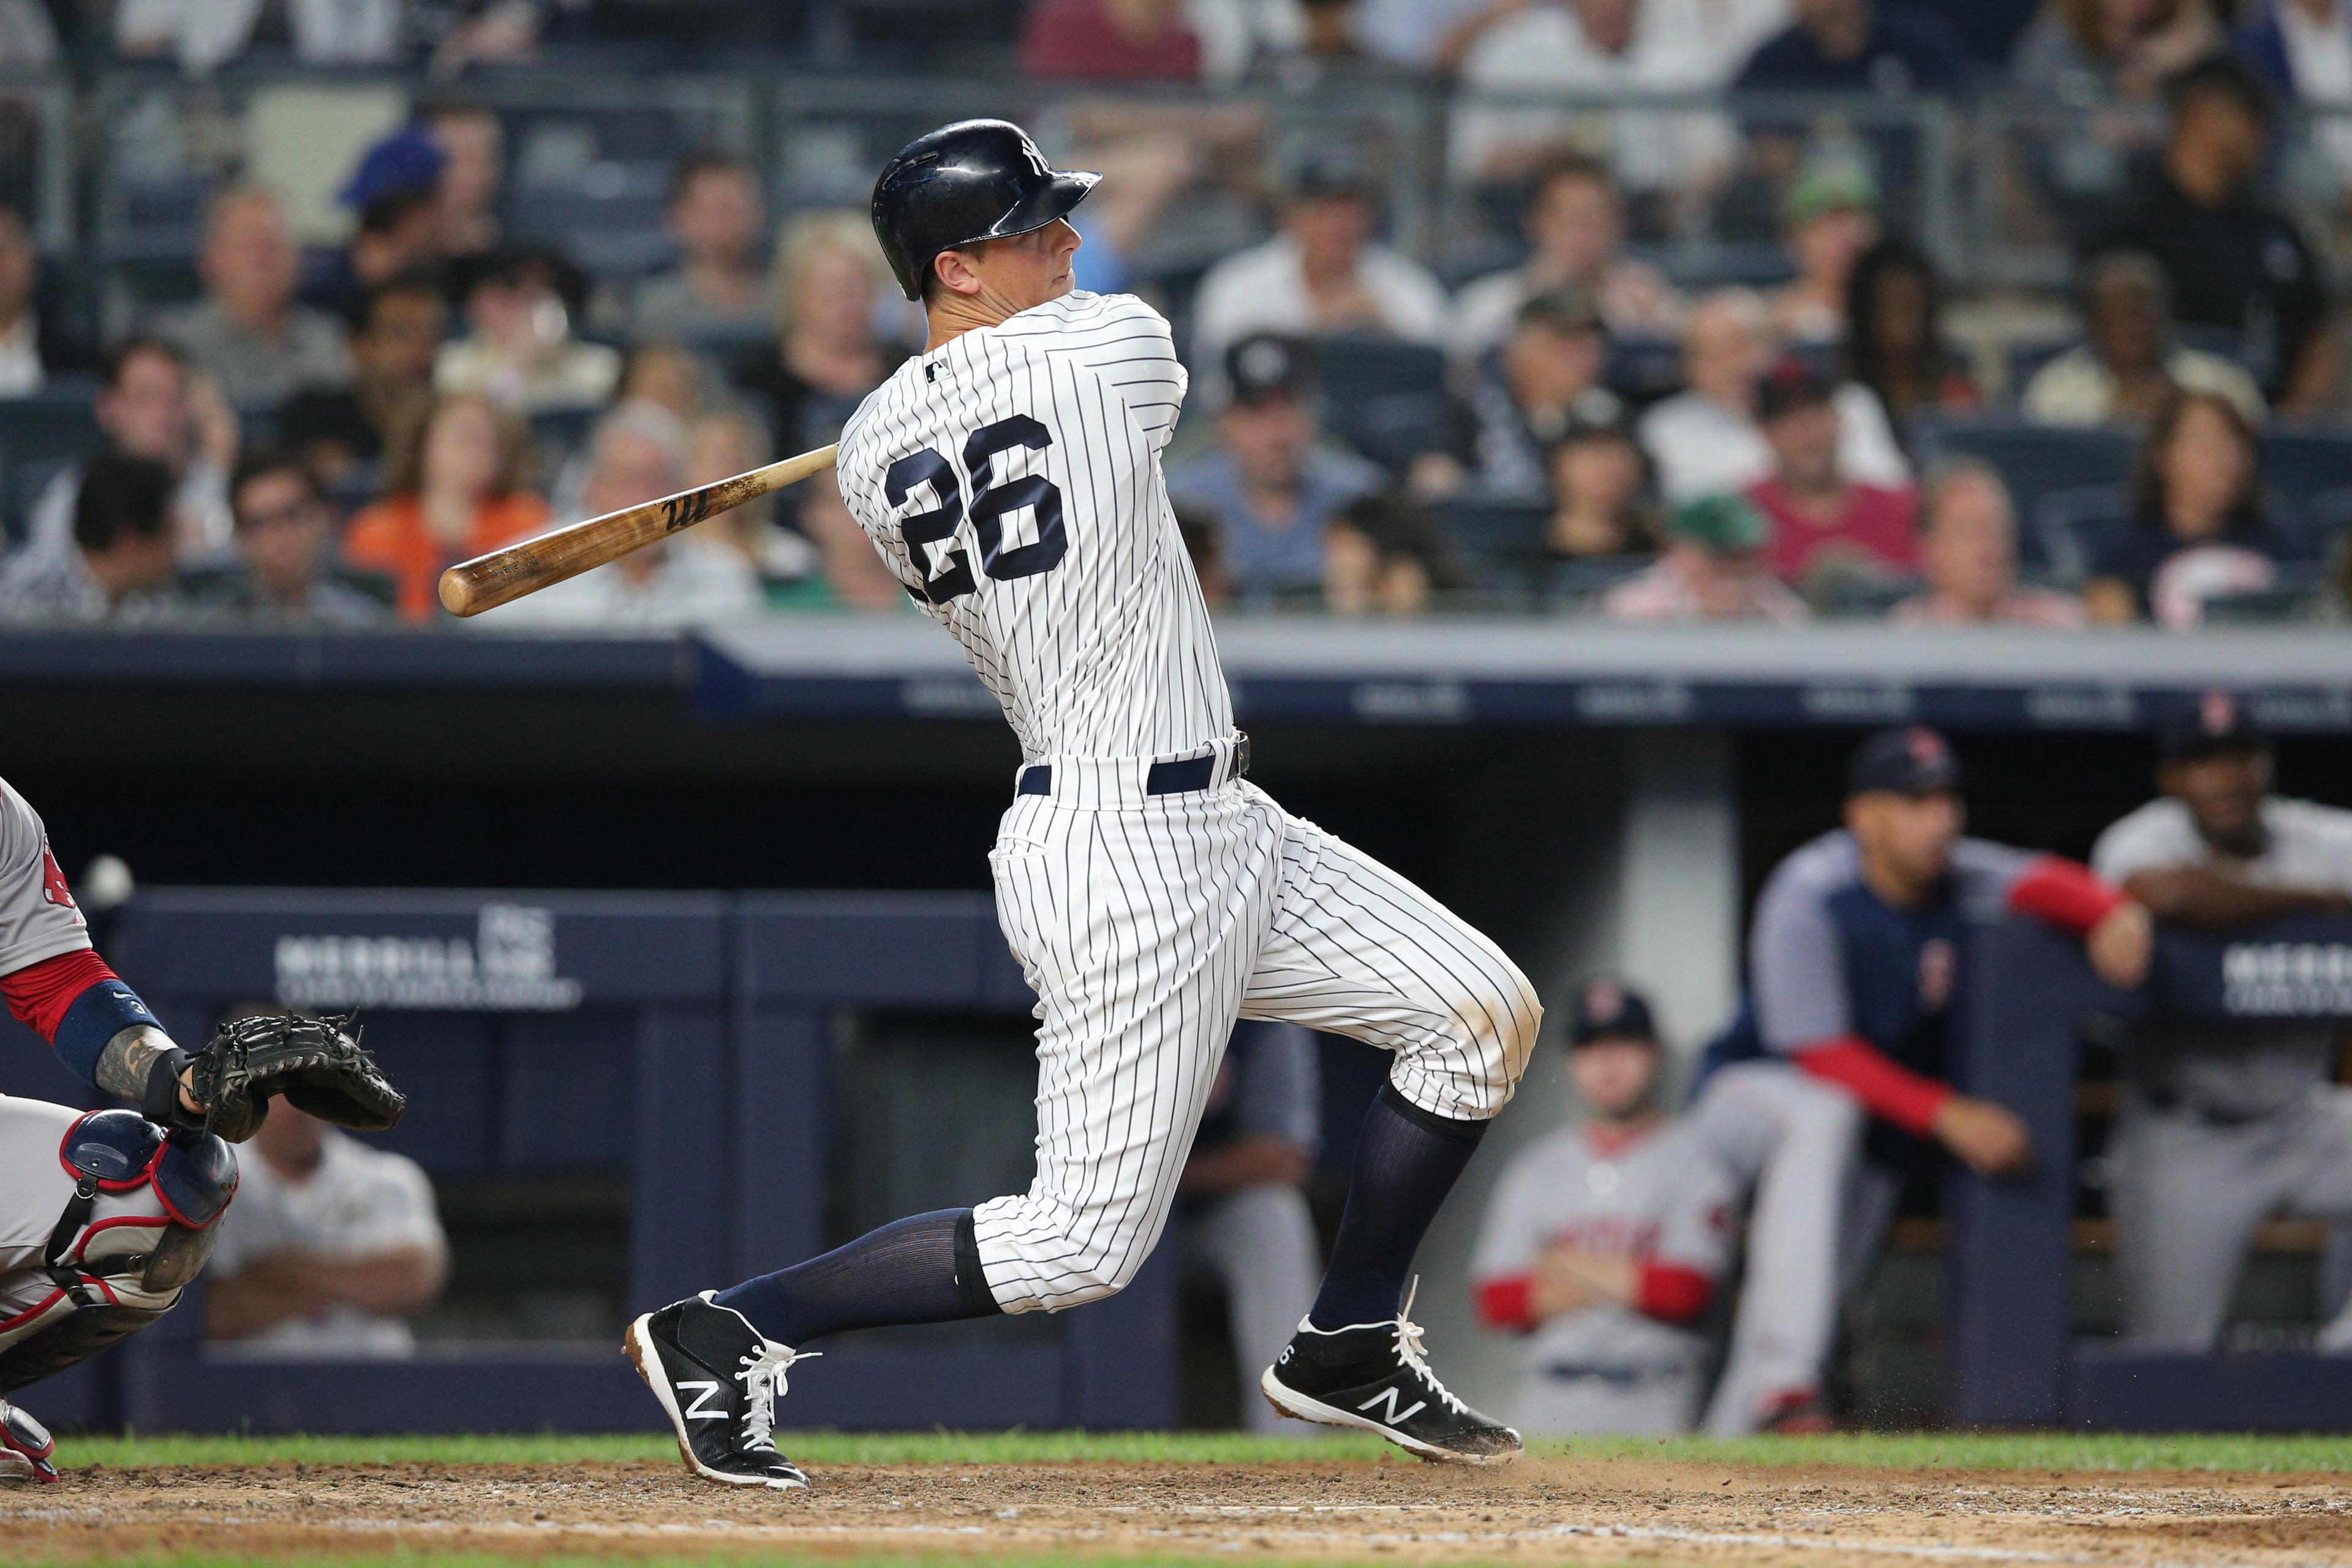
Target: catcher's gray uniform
2222	1126
1661	1198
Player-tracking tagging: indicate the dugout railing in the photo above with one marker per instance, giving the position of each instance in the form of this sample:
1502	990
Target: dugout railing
2015	1359
680	1043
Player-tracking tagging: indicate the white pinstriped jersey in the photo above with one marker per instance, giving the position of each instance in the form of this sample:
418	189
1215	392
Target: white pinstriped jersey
1011	480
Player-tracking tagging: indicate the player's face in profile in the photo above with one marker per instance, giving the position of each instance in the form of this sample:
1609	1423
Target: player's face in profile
1907	837
1026	270
1614	1077
2223	791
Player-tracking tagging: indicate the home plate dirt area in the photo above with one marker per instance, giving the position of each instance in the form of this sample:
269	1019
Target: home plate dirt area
1610	1508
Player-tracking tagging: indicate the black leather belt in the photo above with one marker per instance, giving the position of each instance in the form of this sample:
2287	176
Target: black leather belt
1179	777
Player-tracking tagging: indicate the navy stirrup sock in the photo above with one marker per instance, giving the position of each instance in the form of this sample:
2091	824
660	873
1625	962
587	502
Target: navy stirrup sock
923	1269
1407	1160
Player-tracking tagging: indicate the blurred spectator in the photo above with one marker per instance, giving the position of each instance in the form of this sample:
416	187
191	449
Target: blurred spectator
519	349
1545	377
851	574
1604	1242
473	144
116	563
485	32
1322	274
1705	440
1712	569
1244	1211
1968	552
393	338
204	35
720	288
827	354
2235	262
1895	343
1427	35
1595	49
1828	219
2303	48
248	332
666	376
1824	523
151	404
2128	367
396	191
637	455
1576	223
285	545
2197	526
34	341
719	446
1205	549
2078	54
1859	46
333	1247
453	486
1272	485
1605	502
2223	1125
1109	40
1383	556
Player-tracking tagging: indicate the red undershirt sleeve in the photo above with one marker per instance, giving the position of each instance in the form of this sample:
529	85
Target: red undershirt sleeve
1672	1293
40	993
2068	895
1503	1303
1892	1092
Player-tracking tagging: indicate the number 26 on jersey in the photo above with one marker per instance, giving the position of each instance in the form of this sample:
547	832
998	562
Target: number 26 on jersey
987	507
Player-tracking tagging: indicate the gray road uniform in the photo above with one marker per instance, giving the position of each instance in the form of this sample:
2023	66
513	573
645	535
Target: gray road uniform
104	1216
1663	1199
1260	1240
2222	1126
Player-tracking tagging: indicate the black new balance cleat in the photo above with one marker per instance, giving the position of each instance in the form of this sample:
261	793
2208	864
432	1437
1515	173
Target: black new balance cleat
27	1452
719	1379
1371	1376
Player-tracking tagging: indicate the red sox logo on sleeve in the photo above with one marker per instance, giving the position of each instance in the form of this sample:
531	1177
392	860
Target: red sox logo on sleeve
53	883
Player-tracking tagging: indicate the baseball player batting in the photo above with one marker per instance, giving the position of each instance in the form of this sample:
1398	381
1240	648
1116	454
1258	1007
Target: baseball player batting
1011	477
106	1215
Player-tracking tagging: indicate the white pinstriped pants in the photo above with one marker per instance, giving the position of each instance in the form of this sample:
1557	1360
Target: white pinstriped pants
1146	924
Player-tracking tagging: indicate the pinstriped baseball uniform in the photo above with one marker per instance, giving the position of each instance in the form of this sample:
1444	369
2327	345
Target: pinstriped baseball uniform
1011	480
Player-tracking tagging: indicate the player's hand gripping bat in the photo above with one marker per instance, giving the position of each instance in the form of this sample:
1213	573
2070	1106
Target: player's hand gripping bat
507	574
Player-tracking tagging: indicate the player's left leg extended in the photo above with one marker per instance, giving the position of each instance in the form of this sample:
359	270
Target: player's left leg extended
1357	949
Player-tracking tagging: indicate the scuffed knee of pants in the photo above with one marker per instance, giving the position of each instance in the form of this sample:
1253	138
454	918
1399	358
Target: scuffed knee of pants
1506	1043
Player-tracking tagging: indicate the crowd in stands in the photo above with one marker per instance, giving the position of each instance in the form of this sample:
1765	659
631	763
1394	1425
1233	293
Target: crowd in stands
318	432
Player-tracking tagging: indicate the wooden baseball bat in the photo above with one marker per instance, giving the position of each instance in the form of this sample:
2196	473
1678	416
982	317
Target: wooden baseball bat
505	574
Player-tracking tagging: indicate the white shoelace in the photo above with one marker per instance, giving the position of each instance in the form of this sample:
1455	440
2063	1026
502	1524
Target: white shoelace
762	1378
1408	1350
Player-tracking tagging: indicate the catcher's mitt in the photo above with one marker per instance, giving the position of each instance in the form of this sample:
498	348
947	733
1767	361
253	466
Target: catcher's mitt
316	1063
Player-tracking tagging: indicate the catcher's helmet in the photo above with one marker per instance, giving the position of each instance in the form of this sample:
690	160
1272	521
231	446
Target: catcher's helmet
974	180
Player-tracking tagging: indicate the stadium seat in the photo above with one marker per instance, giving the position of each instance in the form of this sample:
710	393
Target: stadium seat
39	437
1385	398
2305	464
1500	542
2036	460
1578	584
2055	532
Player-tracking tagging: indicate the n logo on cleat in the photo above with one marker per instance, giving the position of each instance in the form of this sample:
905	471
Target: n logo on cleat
694	1412
1389	1397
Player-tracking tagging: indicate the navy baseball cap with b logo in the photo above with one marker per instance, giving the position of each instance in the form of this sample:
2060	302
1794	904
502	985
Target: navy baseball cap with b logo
2211	724
1607	1009
1914	761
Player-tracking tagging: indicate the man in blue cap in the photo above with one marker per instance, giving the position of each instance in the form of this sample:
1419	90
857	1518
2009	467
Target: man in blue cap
1854	961
396	192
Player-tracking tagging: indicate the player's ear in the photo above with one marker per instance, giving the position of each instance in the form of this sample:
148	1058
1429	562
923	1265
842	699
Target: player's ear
954	271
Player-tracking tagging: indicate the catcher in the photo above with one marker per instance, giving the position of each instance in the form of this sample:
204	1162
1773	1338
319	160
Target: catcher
105	1215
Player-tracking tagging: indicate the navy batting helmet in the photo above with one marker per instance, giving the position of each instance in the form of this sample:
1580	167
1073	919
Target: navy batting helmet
974	180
